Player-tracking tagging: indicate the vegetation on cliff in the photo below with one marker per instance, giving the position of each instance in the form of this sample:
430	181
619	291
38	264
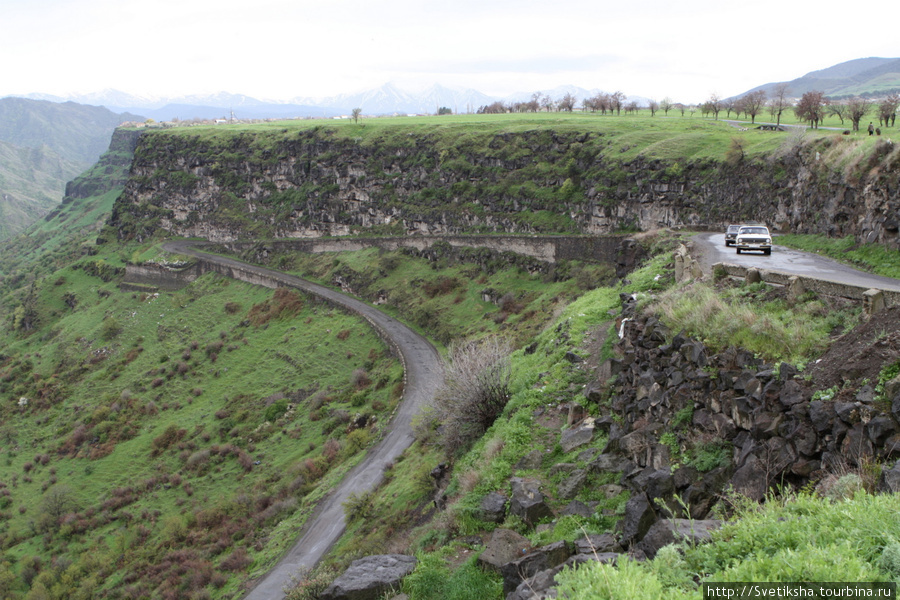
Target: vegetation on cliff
169	444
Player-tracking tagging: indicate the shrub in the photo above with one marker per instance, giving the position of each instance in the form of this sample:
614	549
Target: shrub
474	393
360	378
110	328
285	303
359	506
276	410
166	439
236	561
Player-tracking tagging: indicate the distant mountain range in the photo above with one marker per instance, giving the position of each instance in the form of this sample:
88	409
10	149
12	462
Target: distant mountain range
385	100
861	77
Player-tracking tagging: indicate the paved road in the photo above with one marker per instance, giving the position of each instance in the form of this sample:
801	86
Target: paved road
423	373
713	250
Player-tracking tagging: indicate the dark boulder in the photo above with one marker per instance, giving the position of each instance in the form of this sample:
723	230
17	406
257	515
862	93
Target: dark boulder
504	546
670	531
493	508
528	502
639	517
533	563
369	578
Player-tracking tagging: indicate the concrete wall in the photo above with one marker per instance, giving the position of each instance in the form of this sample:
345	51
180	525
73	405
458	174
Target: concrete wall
802	283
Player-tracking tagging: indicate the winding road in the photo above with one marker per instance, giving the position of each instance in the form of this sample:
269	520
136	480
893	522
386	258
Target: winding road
423	374
713	250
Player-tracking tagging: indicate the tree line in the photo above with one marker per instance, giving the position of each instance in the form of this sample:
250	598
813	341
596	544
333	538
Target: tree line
812	107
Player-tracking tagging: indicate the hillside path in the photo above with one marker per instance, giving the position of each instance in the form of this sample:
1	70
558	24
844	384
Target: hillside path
423	373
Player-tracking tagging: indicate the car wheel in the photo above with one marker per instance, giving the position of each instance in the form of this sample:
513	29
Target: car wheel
738	250
768	251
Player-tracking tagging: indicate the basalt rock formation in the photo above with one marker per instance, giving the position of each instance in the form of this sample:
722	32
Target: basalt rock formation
314	182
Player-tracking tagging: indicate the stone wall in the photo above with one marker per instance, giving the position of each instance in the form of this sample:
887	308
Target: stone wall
549	249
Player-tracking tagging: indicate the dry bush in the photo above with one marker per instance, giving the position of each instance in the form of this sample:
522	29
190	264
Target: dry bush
469	480
285	303
360	379
237	561
443	285
474	393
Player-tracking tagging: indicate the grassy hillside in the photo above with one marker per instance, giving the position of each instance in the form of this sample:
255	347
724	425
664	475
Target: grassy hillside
169	445
835	531
32	182
201	424
43	145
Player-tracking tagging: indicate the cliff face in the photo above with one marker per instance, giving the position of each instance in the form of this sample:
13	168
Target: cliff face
110	172
311	183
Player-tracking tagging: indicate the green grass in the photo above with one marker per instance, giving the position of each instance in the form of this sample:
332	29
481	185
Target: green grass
99	398
874	258
801	538
459	293
677	137
755	318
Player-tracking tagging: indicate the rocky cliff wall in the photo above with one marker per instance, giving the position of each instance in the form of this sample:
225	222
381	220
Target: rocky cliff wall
110	172
311	183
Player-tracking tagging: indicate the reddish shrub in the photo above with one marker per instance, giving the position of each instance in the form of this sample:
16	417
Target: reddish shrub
167	438
236	561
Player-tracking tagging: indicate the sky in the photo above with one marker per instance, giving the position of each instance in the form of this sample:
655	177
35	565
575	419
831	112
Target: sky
287	49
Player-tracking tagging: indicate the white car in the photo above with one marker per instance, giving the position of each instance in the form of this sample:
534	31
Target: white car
754	237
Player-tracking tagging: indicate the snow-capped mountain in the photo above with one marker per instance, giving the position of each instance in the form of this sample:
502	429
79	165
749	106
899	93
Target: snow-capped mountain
390	99
387	99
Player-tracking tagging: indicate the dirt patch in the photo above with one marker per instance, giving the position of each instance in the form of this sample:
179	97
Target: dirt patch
861	353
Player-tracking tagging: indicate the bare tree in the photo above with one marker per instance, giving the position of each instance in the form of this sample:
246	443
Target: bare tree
811	108
653	106
566	103
714	105
475	391
547	103
616	99
838	109
57	501
779	102
752	103
857	107
728	105
887	110
356	112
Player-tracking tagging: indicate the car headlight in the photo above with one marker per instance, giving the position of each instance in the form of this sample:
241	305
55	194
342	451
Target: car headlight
768	240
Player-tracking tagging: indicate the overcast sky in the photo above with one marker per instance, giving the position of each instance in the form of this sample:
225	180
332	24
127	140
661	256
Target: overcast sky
284	49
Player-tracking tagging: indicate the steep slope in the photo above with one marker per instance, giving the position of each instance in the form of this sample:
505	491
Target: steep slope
43	145
32	181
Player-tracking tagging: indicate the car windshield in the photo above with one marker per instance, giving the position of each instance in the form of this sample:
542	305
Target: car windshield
755	230
733	228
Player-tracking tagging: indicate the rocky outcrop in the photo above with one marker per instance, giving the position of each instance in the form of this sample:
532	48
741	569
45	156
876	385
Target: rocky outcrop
110	171
692	422
310	183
